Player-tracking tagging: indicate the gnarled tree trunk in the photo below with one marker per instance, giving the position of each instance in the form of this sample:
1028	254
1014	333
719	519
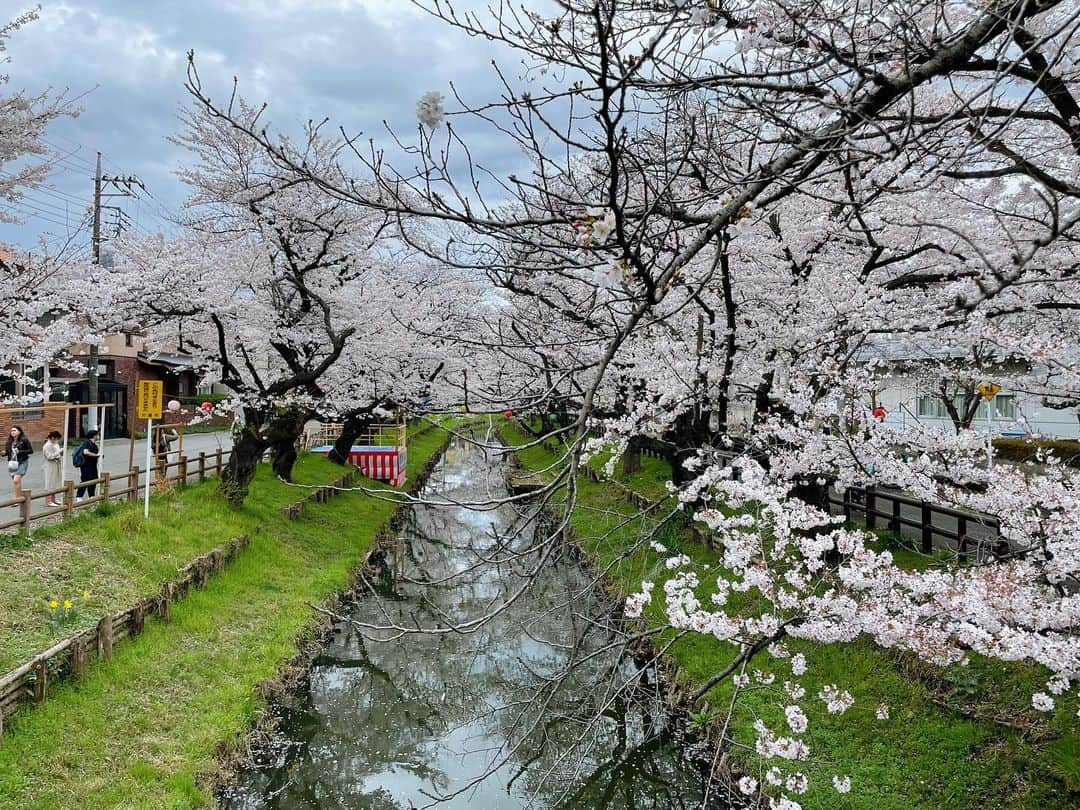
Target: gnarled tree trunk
248	448
353	426
281	433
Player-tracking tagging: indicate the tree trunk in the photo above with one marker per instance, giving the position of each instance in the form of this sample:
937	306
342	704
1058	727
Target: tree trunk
248	447
282	432
631	460
353	426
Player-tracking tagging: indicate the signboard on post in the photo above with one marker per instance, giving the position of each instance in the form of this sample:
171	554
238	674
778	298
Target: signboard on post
150	396
989	391
150	393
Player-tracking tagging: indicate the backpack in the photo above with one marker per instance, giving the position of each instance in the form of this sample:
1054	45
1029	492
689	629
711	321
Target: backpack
77	458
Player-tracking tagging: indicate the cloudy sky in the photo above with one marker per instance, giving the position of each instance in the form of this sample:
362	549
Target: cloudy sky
358	61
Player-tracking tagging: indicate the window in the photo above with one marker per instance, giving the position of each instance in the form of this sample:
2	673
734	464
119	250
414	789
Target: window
1005	407
981	412
931	407
129	339
17	385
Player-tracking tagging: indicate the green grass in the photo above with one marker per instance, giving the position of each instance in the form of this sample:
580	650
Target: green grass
144	729
927	755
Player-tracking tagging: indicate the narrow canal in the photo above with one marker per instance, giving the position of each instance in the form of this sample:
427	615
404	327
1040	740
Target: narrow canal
489	718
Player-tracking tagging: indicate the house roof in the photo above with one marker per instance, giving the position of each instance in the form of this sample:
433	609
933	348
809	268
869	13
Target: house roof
166	359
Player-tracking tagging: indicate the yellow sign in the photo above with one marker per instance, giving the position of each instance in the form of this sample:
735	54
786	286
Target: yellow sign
989	390
150	392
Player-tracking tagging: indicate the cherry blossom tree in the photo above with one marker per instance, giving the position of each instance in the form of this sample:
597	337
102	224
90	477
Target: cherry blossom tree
721	207
38	332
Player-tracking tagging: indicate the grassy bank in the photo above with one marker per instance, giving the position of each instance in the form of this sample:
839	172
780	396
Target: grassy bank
143	730
965	737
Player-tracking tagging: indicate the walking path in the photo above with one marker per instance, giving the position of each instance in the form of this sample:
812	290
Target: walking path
114	460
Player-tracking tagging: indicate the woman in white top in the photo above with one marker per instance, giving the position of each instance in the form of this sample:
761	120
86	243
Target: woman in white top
53	465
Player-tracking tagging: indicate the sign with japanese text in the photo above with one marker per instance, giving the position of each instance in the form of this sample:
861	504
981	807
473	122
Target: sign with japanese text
989	390
150	395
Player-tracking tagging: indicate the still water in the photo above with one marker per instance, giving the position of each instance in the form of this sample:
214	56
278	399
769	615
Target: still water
525	709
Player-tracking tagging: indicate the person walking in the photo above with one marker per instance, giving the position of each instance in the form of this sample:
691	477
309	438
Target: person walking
17	451
52	465
86	459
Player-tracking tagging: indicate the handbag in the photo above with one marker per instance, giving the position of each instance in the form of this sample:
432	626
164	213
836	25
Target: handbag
13	464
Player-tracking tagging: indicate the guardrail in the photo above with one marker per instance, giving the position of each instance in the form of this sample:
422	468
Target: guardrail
179	472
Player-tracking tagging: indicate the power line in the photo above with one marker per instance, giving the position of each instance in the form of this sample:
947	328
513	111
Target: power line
70	154
31	215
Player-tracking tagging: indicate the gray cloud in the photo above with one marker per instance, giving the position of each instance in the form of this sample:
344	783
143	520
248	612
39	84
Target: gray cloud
360	62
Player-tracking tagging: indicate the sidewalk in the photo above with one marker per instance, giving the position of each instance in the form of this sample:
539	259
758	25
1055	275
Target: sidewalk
114	459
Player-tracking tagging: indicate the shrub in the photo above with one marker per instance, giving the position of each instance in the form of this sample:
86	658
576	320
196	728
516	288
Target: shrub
1027	449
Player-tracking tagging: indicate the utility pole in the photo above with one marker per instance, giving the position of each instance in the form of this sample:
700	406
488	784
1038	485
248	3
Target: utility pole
92	393
122	187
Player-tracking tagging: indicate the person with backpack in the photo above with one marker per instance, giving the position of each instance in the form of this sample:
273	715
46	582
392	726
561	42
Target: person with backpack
86	459
163	442
17	451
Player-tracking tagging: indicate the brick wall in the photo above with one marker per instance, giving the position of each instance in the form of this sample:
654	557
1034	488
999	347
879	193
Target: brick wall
36	428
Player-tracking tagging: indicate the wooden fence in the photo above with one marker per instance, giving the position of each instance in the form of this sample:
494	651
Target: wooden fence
876	508
110	487
320	494
30	682
969	534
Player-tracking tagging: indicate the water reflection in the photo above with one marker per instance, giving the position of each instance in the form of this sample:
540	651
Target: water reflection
396	724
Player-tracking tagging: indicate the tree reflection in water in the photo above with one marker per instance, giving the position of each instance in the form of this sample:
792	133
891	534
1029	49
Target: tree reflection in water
395	724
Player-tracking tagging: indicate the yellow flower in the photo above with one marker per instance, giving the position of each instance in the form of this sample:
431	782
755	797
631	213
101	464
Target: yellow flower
54	604
67	604
86	594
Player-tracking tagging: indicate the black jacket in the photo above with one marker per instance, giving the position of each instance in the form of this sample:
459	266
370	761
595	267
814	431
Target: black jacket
20	450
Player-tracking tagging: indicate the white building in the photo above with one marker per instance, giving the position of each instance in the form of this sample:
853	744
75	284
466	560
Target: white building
910	394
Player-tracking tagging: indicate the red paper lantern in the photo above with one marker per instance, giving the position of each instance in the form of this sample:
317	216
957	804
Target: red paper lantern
880	413
207	406
509	414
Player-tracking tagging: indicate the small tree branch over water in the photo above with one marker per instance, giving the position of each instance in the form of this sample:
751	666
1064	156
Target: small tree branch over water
723	210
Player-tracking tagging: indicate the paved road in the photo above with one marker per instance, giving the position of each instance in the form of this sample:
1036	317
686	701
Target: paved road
114	459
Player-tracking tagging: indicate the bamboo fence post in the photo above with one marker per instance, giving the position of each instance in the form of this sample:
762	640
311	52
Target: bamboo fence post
41	680
133	483
69	499
202	465
106	478
166	601
78	657
137	619
182	471
24	510
104	637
